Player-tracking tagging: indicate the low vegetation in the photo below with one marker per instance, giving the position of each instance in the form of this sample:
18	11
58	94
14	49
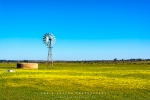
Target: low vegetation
76	81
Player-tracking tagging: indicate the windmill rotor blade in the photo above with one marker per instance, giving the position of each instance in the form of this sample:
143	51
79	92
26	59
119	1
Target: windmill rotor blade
49	39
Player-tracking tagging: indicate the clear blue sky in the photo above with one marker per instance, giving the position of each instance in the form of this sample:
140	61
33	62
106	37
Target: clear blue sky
84	29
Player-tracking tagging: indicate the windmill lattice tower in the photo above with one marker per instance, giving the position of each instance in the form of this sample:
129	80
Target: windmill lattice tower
49	39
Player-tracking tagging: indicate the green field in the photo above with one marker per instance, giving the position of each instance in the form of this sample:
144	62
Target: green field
76	81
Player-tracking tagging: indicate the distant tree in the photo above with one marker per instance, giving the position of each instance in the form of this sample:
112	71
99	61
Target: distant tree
139	59
115	59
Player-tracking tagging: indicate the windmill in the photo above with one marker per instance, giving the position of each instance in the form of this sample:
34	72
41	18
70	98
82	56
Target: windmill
49	39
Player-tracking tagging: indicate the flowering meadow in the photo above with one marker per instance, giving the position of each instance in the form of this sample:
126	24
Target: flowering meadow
76	81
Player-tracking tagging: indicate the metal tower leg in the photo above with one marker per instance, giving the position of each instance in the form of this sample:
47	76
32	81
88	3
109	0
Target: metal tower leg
50	57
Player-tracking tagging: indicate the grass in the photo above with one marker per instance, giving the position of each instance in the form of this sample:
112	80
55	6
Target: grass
76	81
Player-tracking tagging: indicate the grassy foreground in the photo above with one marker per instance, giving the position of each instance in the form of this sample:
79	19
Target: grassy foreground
76	81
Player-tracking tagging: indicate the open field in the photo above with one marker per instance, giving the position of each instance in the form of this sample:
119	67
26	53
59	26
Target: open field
76	81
